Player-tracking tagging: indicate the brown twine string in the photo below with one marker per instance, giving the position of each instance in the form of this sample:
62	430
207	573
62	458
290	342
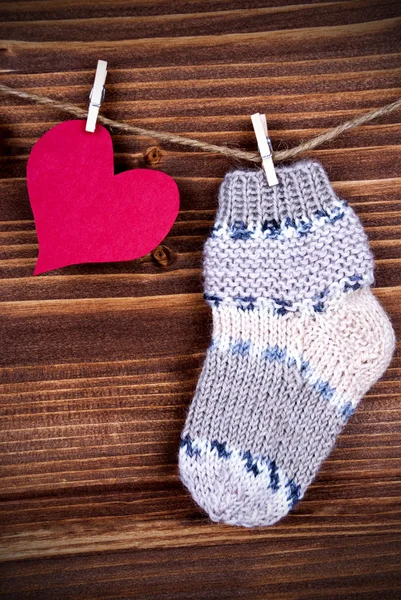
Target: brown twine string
171	138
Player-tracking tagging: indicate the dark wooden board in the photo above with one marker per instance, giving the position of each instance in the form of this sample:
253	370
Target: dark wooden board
99	362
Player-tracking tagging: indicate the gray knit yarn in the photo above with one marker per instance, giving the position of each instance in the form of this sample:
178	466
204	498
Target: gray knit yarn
298	339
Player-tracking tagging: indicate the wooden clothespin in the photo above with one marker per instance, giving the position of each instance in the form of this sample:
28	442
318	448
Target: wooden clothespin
96	96
265	147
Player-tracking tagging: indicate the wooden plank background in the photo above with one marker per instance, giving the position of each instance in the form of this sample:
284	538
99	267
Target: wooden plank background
99	362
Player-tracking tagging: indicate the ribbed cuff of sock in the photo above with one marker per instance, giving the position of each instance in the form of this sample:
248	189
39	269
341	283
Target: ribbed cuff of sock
304	190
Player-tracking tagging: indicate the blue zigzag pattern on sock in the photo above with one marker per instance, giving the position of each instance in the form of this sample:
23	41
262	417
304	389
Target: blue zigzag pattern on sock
289	227
282	307
252	464
281	355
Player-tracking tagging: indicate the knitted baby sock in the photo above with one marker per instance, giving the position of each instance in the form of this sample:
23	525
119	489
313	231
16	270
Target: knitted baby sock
298	338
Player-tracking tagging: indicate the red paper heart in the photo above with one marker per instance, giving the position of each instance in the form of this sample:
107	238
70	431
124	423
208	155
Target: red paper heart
85	213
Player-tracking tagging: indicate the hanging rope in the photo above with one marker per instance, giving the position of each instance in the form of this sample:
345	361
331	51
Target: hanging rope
171	138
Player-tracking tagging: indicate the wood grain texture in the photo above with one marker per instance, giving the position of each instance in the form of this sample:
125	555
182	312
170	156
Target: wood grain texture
100	362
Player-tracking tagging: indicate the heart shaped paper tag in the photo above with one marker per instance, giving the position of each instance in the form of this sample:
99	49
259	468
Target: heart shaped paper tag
85	213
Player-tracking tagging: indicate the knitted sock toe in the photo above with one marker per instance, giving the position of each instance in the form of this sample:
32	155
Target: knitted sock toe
298	339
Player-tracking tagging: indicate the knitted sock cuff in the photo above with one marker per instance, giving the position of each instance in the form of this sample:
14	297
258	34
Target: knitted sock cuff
294	247
303	191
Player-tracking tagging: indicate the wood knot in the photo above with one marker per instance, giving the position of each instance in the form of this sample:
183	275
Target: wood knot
163	256
153	156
